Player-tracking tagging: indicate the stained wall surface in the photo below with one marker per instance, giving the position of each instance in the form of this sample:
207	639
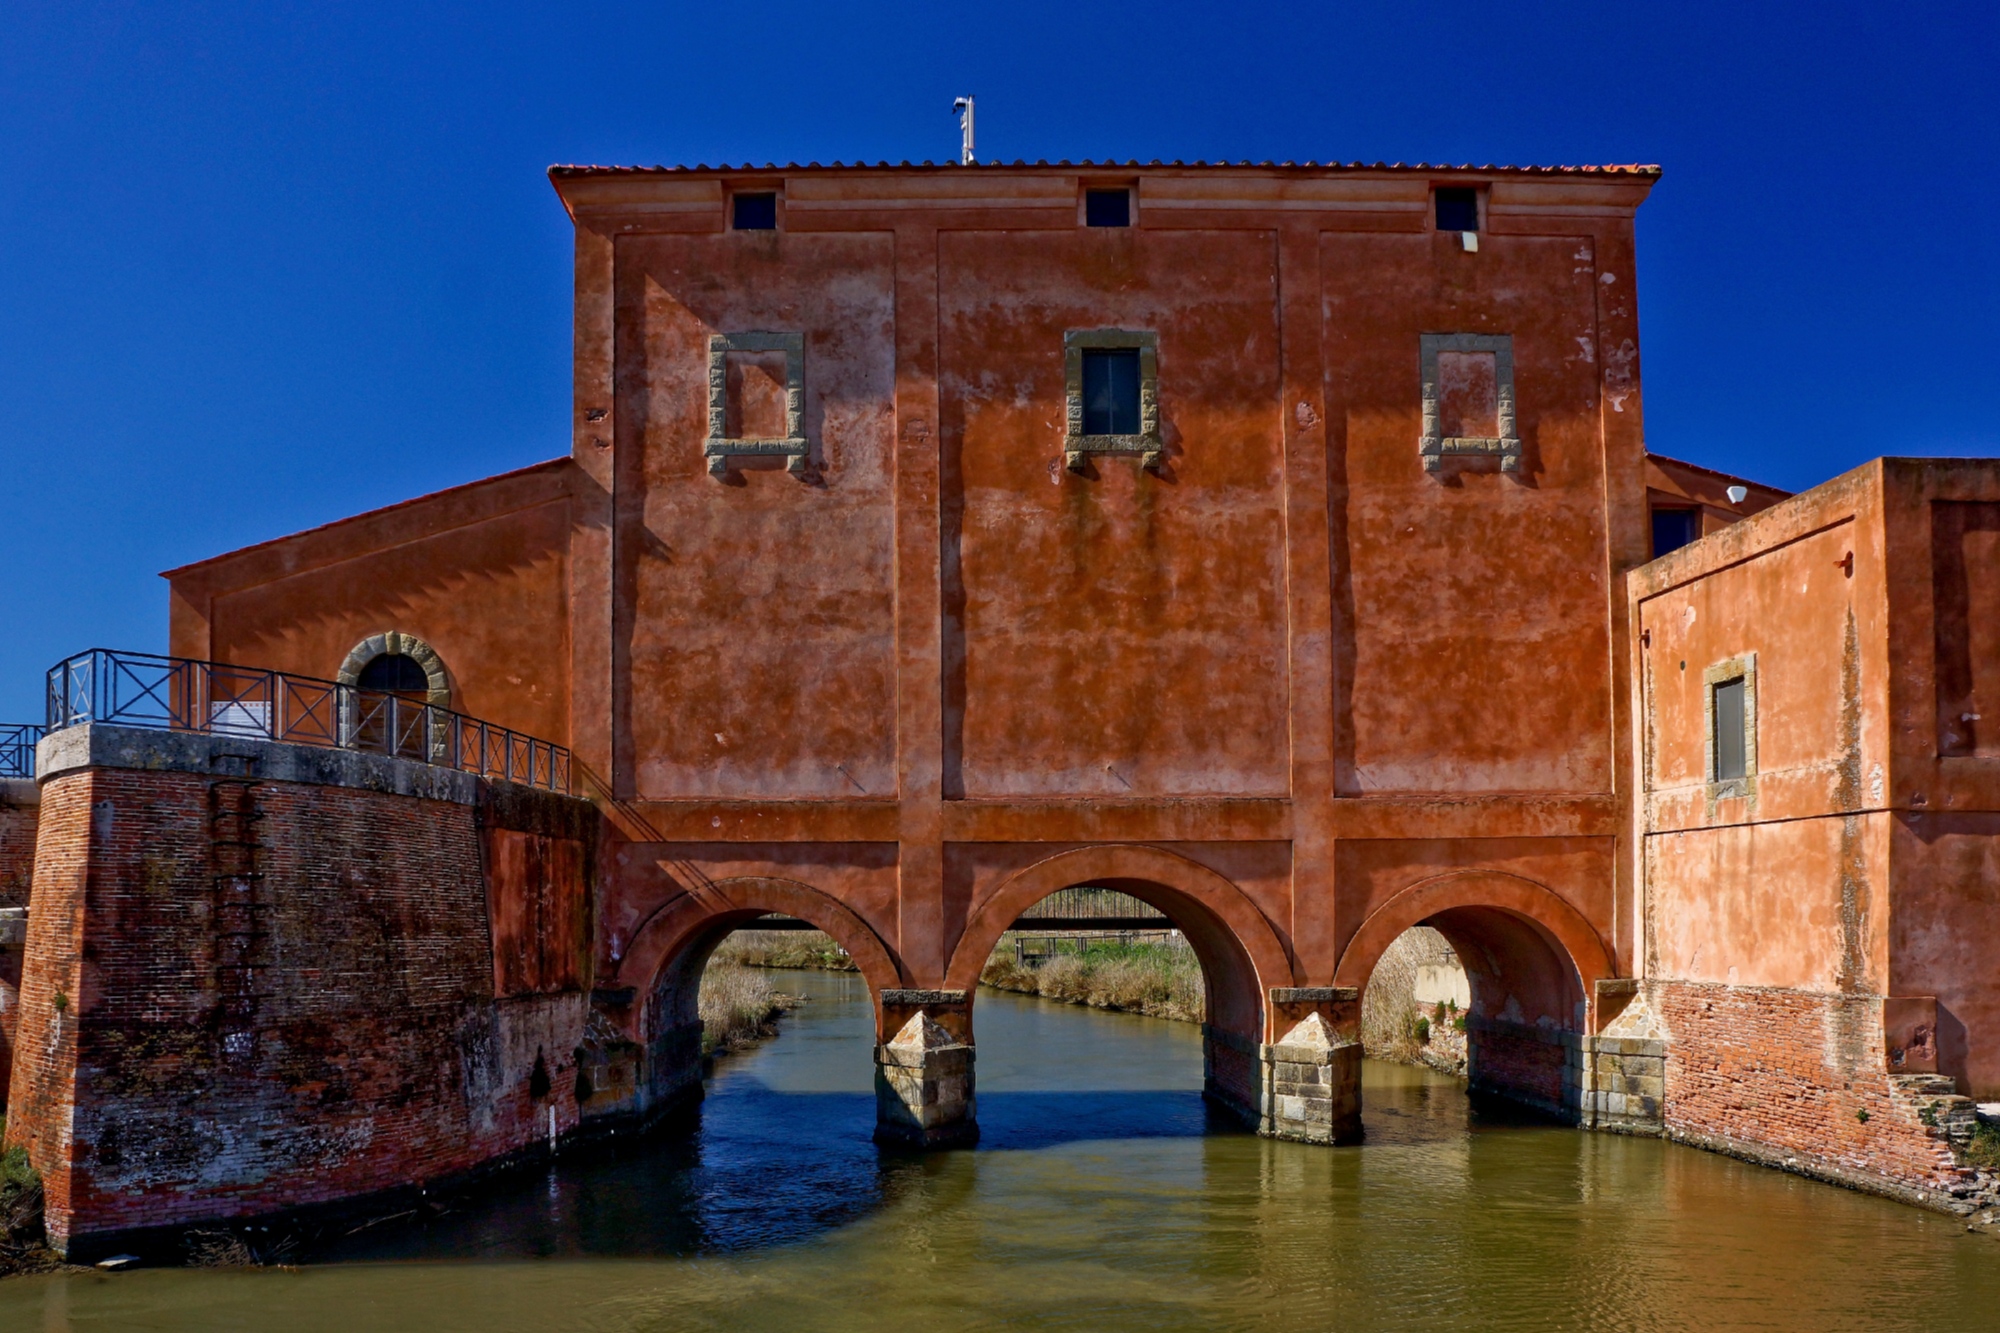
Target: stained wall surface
1857	860
480	573
937	640
754	621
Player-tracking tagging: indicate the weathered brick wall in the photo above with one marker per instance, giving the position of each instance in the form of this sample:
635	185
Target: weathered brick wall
19	804
222	1030
19	808
1527	1065
1797	1079
1231	1075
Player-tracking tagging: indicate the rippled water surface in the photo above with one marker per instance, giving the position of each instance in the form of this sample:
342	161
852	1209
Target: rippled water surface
1102	1196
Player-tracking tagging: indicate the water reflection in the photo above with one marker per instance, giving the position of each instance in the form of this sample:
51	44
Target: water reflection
1103	1196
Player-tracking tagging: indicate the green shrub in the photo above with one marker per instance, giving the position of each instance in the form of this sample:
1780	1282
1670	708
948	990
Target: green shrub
20	1193
1421	1030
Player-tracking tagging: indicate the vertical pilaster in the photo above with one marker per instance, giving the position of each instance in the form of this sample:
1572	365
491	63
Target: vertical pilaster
1308	604
595	441
1628	544
919	614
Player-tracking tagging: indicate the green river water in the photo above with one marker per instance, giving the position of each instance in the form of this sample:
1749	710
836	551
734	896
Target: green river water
1102	1197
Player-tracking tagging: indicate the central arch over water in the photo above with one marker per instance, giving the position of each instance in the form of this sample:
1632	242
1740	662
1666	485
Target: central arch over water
1241	955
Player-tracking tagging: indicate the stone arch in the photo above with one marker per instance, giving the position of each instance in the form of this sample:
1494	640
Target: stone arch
1241	954
675	942
408	645
1537	905
1532	961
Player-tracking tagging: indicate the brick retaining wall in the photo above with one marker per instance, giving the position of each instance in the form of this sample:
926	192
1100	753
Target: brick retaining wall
20	801
1536	1067
1783	1077
286	998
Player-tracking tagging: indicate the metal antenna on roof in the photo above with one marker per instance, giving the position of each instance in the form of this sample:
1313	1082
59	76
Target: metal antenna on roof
963	107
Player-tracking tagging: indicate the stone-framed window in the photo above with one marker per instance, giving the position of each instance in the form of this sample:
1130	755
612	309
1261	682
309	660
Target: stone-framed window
1078	442
1468	381
1729	710
437	692
722	445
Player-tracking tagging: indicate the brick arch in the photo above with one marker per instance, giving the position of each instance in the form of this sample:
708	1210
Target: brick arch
1241	954
683	932
1470	906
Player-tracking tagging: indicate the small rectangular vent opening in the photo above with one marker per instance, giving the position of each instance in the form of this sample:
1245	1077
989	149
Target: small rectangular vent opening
755	211
1673	529
1457	208
1107	208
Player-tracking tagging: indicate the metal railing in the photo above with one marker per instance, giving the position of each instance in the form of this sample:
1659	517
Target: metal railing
17	748
182	694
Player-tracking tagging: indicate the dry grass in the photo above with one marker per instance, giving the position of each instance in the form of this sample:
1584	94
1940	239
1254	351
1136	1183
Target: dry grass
738	1006
784	948
1154	980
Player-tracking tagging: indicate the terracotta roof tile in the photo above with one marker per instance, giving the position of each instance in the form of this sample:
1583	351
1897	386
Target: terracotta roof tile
1426	168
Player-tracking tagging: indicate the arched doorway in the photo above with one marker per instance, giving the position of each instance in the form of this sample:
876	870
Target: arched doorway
1531	963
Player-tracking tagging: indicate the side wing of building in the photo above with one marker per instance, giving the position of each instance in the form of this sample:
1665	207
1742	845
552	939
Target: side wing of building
479	574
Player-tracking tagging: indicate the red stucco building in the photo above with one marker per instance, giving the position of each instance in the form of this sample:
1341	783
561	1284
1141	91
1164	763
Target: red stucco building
1254	539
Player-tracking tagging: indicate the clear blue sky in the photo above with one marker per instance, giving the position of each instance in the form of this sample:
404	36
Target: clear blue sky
265	265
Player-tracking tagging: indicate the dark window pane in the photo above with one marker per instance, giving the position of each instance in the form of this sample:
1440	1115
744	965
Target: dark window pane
756	212
394	671
1107	208
1111	391
1729	752
1673	529
1458	209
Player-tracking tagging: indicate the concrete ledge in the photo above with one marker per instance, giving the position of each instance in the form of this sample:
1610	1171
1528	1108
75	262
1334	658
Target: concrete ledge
1650	1047
1315	994
1223	1037
923	997
98	745
19	792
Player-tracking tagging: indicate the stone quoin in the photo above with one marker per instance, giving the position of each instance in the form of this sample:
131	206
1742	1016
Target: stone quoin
1277	557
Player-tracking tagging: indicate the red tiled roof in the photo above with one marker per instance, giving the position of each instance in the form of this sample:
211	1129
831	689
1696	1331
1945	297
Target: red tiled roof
1426	168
